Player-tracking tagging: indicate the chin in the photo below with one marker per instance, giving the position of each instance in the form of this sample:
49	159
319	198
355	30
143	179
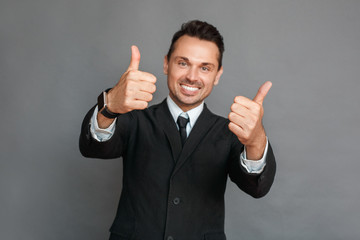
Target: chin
189	102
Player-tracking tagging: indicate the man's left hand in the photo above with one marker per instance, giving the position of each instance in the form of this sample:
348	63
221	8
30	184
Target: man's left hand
246	122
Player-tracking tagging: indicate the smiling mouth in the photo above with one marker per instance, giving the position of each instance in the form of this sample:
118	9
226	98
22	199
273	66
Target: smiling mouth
188	88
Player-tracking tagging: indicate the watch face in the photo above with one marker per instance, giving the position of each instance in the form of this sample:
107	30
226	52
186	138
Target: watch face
101	101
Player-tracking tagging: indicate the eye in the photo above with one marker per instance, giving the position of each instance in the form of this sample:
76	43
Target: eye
205	69
182	64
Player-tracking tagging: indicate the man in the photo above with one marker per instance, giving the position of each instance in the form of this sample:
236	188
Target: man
177	154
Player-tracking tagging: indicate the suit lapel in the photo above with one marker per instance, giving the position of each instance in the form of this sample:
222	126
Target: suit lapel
202	125
168	124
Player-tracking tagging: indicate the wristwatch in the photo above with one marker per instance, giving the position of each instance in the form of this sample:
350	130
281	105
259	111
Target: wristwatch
102	106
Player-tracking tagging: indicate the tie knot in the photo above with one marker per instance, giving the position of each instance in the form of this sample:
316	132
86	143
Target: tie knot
181	121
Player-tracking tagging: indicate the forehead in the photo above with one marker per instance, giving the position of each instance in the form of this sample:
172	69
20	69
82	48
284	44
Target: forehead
196	50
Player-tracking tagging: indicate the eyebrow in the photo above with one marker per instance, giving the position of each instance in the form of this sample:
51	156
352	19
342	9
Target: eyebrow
203	63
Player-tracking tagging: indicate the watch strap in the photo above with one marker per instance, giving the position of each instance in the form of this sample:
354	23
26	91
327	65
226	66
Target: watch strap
109	114
103	108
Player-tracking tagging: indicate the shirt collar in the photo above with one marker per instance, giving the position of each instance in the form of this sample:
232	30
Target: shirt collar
175	111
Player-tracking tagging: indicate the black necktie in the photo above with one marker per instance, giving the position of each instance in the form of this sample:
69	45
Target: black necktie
181	121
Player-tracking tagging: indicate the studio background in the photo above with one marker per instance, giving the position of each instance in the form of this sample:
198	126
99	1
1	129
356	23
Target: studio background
57	56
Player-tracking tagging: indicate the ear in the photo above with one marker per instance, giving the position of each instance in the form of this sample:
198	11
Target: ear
218	75
166	65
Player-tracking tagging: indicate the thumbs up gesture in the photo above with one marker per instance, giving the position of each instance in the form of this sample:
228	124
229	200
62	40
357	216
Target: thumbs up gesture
246	122
134	89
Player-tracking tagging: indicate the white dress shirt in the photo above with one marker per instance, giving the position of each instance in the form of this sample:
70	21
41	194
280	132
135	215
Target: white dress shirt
102	135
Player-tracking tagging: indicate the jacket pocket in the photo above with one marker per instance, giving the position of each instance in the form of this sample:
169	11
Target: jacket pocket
215	236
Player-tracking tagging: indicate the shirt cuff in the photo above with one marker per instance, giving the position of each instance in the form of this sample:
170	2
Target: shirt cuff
252	166
100	134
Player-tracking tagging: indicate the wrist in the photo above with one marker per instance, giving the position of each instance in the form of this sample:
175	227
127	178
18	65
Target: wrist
256	150
103	122
103	106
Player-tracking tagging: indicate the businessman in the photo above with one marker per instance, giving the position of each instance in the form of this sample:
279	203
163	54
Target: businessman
177	155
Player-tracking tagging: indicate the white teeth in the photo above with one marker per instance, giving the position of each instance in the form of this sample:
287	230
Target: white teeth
189	88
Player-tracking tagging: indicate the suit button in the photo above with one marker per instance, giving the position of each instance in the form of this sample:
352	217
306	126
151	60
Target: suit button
176	201
170	238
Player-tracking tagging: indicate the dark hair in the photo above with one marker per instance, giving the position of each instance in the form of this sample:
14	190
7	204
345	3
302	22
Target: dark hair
201	30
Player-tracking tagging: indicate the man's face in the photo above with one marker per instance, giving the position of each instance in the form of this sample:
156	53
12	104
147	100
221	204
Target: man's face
192	71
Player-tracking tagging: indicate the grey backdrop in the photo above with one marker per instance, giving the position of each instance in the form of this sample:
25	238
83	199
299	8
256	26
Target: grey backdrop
57	56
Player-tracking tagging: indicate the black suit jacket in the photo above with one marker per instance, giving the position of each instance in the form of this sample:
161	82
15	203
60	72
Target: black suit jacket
170	192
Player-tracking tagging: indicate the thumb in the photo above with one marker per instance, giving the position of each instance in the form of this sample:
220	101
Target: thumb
135	58
263	90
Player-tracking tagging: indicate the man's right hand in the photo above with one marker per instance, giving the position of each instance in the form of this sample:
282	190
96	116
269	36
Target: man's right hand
133	91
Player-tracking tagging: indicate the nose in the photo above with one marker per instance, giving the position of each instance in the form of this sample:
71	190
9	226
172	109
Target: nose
192	74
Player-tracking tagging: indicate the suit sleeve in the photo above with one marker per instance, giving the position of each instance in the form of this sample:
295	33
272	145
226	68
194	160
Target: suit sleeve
112	148
256	185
